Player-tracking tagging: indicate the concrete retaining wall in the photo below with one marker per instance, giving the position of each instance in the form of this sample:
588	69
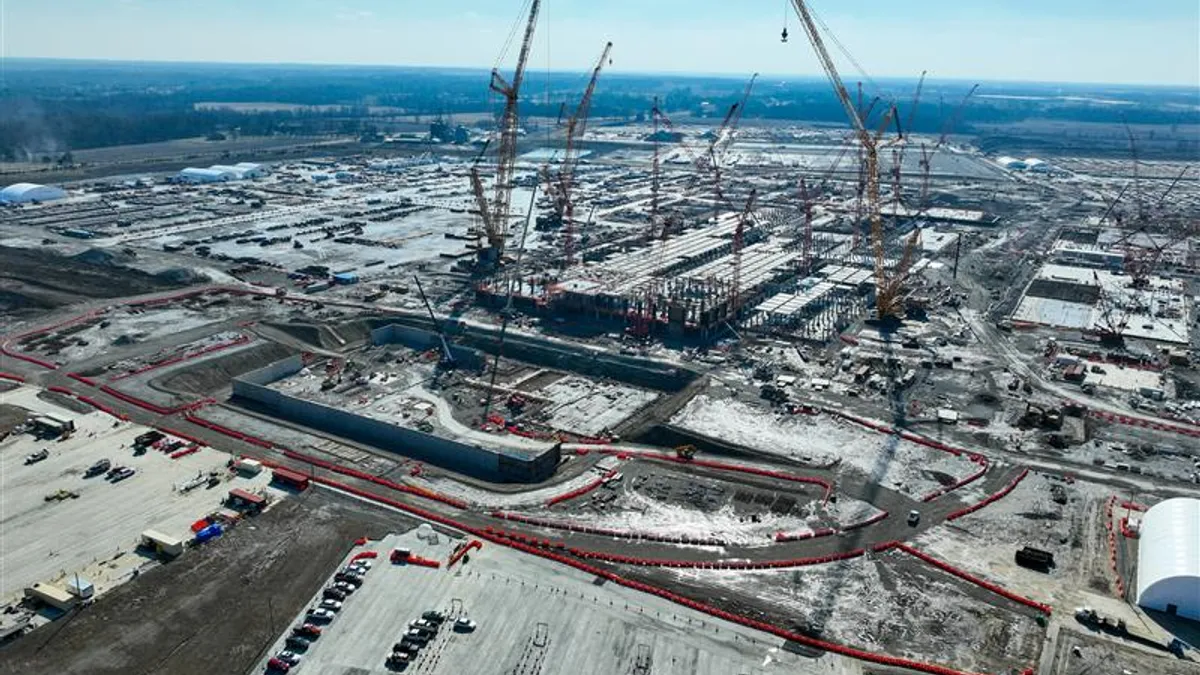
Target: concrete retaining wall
489	464
634	370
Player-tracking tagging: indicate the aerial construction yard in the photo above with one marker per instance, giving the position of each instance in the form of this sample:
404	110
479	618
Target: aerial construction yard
751	376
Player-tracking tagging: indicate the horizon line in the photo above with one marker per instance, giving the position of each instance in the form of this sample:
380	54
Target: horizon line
739	76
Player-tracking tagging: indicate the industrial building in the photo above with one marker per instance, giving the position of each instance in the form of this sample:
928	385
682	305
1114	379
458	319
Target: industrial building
1168	578
30	193
220	173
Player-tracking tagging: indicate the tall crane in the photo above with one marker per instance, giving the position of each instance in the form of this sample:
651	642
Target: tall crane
560	187
722	139
885	293
496	213
739	242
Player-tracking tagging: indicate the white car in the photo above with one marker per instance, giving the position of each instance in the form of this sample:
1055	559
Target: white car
365	563
465	625
319	614
289	657
331	605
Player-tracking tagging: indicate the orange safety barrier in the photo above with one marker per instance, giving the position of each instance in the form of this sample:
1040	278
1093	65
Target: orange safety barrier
580	491
241	340
992	498
489	535
961	574
464	550
11	377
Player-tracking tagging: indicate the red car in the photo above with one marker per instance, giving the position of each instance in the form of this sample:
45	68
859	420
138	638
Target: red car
278	666
308	630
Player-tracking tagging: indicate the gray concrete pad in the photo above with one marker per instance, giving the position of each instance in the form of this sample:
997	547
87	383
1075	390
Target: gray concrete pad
94	534
535	617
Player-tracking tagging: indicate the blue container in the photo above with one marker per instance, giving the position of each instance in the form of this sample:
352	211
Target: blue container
211	532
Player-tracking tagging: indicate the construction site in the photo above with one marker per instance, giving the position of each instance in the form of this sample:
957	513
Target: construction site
675	394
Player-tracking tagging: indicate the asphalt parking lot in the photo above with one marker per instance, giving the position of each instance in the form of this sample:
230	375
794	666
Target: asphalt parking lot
534	617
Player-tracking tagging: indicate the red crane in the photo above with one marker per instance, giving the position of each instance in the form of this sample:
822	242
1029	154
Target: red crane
560	186
739	242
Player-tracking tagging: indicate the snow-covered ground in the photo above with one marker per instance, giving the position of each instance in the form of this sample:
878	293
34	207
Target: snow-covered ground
864	603
887	460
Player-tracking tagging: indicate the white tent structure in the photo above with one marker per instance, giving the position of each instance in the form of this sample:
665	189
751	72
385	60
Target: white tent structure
1168	578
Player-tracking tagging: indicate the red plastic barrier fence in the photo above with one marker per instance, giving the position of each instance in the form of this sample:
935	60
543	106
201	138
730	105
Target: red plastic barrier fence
993	498
1126	531
488	534
362	475
82	379
462	551
606	532
1133	506
716	564
60	390
103	408
782	537
190	450
27	359
864	523
232	433
10	376
723	466
363	555
956	485
1188	430
145	405
241	340
961	574
179	434
1112	547
580	491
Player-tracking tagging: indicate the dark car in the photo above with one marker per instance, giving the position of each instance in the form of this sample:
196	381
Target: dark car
97	468
121	475
350	578
333	594
297	643
434	616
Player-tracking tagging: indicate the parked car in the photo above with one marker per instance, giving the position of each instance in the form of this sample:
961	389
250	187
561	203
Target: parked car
291	658
37	456
308	630
345	587
423	623
464	625
333	594
398	660
97	468
277	666
914	517
434	616
319	614
114	471
331	605
121	475
349	578
416	635
297	643
363	562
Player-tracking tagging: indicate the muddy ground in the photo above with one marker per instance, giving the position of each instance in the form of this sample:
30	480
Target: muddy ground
32	280
215	609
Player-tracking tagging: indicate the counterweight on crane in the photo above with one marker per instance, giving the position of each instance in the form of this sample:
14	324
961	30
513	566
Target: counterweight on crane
496	213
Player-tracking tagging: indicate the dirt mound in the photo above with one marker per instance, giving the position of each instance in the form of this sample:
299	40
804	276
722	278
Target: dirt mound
104	257
208	375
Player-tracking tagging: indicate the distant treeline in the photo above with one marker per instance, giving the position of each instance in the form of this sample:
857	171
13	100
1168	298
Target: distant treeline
52	107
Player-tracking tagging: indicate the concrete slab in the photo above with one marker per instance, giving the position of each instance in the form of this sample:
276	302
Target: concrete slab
535	616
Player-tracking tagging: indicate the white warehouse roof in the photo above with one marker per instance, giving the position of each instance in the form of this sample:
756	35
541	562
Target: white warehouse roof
20	193
1168	575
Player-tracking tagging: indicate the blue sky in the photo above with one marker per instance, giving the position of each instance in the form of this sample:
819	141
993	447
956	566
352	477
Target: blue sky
1107	41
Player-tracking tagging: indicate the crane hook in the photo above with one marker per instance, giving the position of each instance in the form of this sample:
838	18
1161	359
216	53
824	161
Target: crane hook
784	36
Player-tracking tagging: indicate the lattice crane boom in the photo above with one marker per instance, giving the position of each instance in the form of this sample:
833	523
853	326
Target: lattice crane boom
576	125
496	222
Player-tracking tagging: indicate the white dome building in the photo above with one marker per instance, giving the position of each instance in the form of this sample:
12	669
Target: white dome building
1168	578
24	193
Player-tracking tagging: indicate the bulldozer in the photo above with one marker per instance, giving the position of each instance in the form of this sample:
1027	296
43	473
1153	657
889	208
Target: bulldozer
686	452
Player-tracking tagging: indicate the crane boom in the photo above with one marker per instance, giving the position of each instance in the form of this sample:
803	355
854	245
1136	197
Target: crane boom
576	125
739	241
496	223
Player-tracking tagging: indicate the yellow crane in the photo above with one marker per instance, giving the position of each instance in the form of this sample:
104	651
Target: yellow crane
886	290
